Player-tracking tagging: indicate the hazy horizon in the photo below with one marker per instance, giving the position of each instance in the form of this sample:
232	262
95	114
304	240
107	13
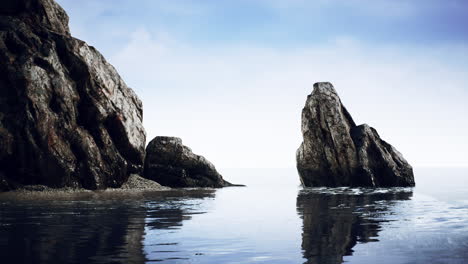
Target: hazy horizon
231	78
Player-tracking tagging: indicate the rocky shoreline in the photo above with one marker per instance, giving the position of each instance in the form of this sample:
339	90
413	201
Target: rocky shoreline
135	183
67	119
69	122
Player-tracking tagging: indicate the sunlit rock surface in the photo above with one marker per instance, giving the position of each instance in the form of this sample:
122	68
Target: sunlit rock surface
67	119
136	182
172	164
336	152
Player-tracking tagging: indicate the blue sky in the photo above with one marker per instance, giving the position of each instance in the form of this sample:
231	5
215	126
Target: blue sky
231	77
277	23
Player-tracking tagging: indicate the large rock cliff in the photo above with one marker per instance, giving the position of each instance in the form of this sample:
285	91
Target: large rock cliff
66	116
336	152
172	164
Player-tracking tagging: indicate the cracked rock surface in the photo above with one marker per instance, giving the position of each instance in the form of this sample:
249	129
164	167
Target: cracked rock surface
67	119
337	152
172	164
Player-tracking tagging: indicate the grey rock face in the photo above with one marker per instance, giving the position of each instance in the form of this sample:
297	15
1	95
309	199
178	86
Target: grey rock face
336	152
67	119
172	164
41	13
137	183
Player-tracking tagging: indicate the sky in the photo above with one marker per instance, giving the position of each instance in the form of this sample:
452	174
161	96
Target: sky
231	77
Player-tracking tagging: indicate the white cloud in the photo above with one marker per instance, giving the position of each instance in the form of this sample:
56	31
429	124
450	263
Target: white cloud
240	105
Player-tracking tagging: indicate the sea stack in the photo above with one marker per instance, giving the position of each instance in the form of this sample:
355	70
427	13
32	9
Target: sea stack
172	164
335	152
67	119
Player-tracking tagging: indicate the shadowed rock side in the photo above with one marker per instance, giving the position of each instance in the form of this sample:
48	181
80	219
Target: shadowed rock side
336	152
334	223
172	164
67	119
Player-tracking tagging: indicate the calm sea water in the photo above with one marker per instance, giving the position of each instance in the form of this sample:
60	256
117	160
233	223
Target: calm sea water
273	220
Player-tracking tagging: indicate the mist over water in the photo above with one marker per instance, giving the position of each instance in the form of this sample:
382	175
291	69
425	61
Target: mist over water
273	220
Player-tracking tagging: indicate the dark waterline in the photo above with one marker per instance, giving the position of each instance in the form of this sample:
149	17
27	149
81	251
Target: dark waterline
270	221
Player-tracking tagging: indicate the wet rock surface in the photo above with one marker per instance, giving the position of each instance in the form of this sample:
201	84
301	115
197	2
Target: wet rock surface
67	119
172	164
336	152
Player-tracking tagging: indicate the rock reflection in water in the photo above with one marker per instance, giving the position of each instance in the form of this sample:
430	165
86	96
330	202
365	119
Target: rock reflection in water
335	219
107	228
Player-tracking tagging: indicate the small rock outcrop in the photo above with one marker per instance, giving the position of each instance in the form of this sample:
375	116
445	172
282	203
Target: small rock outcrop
67	119
172	164
137	183
336	152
